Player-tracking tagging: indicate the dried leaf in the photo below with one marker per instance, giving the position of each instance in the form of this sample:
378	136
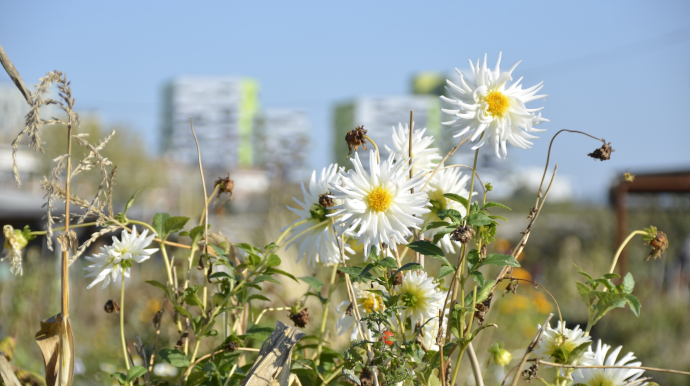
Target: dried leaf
55	338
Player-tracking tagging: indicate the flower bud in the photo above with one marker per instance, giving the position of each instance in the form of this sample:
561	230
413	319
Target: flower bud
499	355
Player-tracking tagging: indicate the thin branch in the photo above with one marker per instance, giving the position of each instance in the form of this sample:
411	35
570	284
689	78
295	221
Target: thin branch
529	350
539	361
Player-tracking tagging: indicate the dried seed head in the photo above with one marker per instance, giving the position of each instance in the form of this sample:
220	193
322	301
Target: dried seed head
629	177
225	185
531	373
398	279
111	306
482	309
511	287
603	153
366	377
659	245
300	318
231	346
463	234
326	201
182	341
157	319
355	139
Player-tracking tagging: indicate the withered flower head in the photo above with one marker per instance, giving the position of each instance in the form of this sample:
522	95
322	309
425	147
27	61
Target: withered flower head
231	346
300	318
325	200
182	341
366	377
482	309
111	306
355	138
157	319
603	153
398	279
463	234
225	185
657	240
629	177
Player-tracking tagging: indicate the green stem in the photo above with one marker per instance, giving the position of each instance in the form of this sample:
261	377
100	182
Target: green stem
288	229
208	202
122	320
43	233
457	365
326	306
467	214
620	249
337	372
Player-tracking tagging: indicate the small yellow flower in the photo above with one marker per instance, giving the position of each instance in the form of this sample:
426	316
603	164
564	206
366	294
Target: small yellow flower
499	355
15	241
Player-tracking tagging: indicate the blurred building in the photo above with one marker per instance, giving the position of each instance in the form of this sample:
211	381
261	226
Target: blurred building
281	142
13	109
378	115
223	109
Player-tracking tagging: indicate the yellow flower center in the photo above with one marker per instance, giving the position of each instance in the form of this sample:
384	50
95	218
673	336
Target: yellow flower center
600	380
498	103
380	199
371	303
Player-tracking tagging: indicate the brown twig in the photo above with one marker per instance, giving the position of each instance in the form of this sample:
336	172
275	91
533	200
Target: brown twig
14	75
539	361
530	348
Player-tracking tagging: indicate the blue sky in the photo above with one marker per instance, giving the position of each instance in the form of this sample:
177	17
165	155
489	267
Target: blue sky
617	69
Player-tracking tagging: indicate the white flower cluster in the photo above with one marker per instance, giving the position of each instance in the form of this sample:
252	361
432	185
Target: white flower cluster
561	339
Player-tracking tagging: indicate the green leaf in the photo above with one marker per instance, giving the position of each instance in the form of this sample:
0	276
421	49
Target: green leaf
473	260
606	283
479	220
354	273
258	332
433	225
313	282
158	220
366	269
174	357
135	372
580	350
561	355
493	217
607	302
427	248
350	376
491	204
442	232
628	284
455	197
454	215
197	233
272	271
586	292
445	271
174	224
217	275
581	272
634	304
182	311
611	276
388	262
478	278
130	202
273	260
408	267
262	278
191	297
220	252
482	293
258	297
161	286
499	260
121	378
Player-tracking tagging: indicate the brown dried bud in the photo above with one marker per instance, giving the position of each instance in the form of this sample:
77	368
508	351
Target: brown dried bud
366	377
512	287
326	201
532	212
531	373
603	153
482	251
482	309
463	234
398	279
111	306
355	139
301	318
157	319
201	266
231	346
225	185
659	245
182	341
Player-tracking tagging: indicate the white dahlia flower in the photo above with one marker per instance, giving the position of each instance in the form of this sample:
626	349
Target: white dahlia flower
565	339
379	207
430	329
117	258
421	297
445	181
319	244
608	377
488	106
423	156
367	302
